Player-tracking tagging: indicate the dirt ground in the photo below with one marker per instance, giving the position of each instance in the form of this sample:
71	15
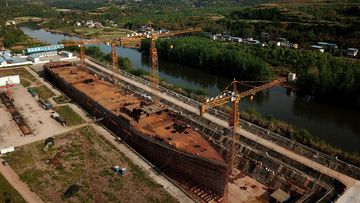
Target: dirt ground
84	158
25	77
244	189
38	119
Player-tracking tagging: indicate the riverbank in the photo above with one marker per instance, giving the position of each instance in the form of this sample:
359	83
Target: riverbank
268	122
337	125
15	40
320	75
102	32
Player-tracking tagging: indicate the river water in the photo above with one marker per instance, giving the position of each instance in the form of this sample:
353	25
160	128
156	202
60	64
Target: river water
338	126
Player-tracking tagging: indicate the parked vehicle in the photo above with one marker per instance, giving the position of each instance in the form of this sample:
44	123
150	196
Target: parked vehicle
58	118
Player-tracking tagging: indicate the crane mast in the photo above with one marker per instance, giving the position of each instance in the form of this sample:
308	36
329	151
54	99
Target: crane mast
154	65
81	45
154	69
153	55
234	122
228	96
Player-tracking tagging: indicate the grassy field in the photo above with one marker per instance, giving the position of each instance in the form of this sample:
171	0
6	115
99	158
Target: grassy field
69	115
8	193
101	32
25	77
44	92
83	158
25	19
61	99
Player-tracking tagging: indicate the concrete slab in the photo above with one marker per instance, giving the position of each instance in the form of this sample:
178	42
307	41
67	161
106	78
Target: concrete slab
244	189
8	128
351	195
37	118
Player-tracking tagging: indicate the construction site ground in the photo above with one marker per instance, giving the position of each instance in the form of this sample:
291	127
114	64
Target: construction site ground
33	113
244	189
240	189
38	119
346	180
26	78
85	158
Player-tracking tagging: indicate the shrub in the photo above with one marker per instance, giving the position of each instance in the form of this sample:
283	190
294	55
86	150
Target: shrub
71	191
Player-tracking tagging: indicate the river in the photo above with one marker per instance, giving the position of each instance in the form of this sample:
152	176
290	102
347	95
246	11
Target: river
336	125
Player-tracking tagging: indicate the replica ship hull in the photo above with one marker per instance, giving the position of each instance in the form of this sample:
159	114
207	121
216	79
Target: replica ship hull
208	174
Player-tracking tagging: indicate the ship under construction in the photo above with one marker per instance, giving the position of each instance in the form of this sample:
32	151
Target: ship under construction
153	130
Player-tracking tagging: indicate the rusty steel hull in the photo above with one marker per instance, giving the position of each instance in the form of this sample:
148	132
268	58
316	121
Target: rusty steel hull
207	174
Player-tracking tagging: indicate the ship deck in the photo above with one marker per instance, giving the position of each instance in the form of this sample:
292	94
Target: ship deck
155	120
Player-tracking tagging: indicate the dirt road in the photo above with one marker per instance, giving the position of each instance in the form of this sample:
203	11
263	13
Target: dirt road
14	180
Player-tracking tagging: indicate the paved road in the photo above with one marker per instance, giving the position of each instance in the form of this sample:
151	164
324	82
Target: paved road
346	180
14	180
351	195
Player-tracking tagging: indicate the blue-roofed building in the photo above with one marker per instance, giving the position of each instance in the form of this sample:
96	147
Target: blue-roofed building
6	55
2	61
49	48
34	58
16	60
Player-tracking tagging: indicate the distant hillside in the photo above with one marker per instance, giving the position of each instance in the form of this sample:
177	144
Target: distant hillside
93	4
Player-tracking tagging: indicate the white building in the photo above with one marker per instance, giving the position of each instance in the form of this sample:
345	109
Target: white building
34	58
317	48
67	54
352	52
291	77
236	39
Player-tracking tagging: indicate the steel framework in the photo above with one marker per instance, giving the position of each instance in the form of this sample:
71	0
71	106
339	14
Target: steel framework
234	122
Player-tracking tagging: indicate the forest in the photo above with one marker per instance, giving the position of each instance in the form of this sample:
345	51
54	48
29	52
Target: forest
304	24
329	78
212	57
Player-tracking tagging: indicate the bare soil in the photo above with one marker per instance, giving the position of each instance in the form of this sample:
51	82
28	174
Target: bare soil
84	158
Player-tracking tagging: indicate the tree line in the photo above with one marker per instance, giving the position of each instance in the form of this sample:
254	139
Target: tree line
213	57
324	76
335	79
96	52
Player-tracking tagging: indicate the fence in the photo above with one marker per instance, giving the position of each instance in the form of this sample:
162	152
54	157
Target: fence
312	154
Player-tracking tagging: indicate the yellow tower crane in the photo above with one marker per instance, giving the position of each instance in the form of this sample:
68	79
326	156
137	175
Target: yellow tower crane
112	42
233	96
154	65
